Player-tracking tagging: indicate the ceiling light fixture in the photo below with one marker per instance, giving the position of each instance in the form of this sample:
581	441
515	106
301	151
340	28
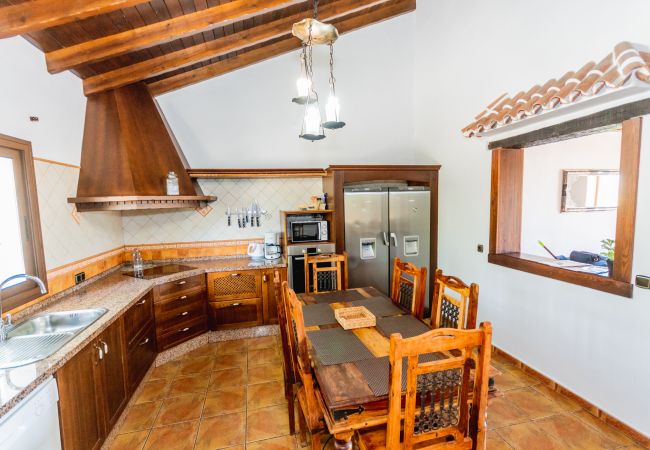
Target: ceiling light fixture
312	32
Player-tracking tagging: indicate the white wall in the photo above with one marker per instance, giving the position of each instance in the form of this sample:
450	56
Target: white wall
246	118
542	195
467	54
29	90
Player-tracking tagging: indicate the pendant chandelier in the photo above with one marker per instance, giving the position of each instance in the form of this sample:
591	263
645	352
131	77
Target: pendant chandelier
312	32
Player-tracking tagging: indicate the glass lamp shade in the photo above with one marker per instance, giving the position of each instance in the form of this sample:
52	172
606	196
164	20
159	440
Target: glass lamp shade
303	85
312	128
332	113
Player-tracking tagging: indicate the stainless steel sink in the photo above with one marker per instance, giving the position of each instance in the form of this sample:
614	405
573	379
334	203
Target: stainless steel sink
38	337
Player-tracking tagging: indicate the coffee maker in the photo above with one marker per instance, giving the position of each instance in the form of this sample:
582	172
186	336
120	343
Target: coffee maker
272	246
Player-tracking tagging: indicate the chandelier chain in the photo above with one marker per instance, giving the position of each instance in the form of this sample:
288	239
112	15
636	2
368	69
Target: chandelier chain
315	9
332	79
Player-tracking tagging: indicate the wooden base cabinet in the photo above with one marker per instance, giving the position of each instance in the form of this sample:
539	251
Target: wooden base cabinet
243	298
93	390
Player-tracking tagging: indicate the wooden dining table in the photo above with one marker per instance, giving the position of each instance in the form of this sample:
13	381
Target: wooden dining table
351	366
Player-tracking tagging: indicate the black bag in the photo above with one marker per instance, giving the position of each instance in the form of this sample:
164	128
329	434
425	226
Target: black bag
584	257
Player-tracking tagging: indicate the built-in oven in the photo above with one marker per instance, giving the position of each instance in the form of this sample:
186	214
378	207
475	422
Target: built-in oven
296	261
309	231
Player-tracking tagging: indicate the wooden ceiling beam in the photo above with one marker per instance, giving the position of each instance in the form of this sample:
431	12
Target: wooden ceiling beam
390	9
37	15
159	33
202	52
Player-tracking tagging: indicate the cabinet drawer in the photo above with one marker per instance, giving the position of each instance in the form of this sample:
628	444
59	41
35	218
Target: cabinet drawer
137	317
234	285
141	356
182	332
179	287
235	313
180	309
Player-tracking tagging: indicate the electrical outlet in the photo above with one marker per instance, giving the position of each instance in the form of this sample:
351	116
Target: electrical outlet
79	277
642	281
479	248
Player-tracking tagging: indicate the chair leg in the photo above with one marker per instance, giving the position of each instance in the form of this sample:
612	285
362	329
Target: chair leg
302	428
292	411
316	440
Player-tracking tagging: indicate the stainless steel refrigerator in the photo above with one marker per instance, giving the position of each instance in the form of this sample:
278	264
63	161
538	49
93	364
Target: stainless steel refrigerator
382	222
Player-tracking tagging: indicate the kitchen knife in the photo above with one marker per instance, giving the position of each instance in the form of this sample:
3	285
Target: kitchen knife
228	214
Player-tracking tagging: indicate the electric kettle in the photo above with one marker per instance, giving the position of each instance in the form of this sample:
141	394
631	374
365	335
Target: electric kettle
255	250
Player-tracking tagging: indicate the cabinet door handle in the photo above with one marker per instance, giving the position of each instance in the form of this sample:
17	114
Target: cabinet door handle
100	352
265	278
184	330
145	342
142	302
180	283
182	297
105	345
235	274
236	304
184	313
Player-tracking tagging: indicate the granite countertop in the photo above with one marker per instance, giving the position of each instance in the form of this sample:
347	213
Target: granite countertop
117	293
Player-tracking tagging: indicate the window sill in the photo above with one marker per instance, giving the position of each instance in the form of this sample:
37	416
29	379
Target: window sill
532	264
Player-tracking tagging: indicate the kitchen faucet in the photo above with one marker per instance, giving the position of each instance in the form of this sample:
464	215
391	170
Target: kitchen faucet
4	326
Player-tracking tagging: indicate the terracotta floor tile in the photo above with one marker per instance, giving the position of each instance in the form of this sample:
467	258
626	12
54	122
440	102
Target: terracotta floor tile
262	342
220	379
574	433
199	364
193	384
130	441
167	370
180	409
496	442
267	423
501	362
209	349
265	394
140	416
229	361
221	431
281	443
532	403
225	401
529	436
180	436
501	413
514	378
227	347
266	372
263	356
563	401
607	430
153	390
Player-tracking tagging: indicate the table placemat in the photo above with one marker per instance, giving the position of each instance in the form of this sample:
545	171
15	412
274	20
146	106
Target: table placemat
337	346
379	306
376	371
318	314
337	296
407	325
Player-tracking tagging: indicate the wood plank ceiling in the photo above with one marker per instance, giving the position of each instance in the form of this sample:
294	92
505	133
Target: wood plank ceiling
170	44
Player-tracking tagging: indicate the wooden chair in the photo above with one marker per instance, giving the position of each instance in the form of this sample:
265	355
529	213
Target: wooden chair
441	403
455	304
312	416
289	371
408	287
324	273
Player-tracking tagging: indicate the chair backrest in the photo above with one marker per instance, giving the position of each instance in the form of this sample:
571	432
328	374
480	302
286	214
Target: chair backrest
455	303
408	286
290	376
325	273
438	388
300	354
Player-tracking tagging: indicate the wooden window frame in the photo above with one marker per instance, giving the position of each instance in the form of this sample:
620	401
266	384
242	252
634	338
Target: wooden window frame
24	292
506	200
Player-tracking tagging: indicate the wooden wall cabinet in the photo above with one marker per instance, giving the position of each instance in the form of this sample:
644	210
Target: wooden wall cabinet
93	390
242	298
180	311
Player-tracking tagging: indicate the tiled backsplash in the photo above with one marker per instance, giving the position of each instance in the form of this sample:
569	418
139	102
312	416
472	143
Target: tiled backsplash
66	241
273	194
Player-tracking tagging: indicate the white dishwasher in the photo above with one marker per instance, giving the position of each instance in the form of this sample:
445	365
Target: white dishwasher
33	424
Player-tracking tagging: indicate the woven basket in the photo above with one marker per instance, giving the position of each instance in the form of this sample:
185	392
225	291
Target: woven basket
355	317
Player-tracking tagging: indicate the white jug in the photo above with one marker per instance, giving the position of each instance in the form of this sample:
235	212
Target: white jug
255	250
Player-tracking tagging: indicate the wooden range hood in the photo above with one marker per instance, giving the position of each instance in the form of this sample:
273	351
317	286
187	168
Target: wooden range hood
126	154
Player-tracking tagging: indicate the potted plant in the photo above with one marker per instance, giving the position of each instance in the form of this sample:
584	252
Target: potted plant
608	245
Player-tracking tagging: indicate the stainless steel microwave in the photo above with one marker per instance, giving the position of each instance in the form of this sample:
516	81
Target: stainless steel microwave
309	231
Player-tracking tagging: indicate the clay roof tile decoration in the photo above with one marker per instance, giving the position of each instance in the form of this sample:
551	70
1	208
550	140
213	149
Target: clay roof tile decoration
626	64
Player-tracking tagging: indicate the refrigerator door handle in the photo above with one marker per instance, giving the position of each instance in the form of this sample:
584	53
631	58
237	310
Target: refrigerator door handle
393	238
385	237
